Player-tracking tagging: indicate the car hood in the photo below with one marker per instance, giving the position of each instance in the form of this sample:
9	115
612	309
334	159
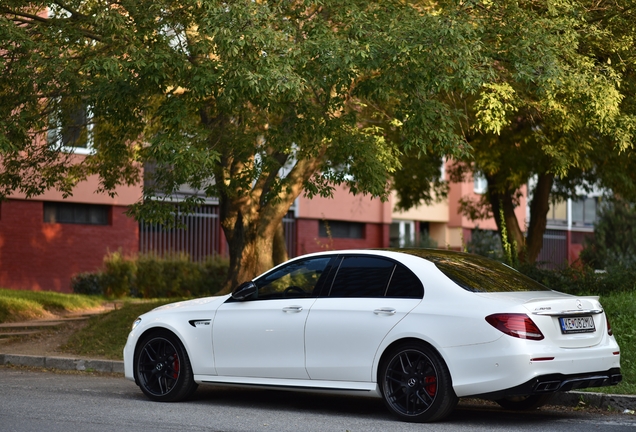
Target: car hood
193	305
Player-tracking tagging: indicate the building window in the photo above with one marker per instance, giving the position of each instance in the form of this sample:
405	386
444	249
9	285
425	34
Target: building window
341	229
442	169
480	183
558	213
402	234
584	211
71	213
71	127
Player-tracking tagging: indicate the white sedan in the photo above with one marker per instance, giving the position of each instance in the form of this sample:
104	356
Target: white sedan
419	328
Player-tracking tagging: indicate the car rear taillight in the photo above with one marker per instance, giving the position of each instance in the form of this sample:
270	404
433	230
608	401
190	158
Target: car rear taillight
516	325
609	326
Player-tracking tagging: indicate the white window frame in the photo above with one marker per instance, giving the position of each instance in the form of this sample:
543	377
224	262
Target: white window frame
480	184
403	240
54	136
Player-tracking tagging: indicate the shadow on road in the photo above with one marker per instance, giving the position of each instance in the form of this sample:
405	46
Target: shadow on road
469	411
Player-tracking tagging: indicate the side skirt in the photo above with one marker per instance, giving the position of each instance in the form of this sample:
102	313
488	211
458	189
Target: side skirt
340	387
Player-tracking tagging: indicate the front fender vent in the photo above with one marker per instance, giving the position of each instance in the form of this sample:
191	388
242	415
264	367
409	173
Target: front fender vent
199	323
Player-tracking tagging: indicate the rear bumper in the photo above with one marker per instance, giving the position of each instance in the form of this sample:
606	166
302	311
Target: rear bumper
553	383
514	366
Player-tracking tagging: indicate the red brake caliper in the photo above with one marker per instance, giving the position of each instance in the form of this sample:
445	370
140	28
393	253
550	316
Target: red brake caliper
431	385
175	365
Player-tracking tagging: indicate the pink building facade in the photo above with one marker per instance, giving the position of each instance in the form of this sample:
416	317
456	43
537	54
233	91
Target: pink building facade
342	222
45	241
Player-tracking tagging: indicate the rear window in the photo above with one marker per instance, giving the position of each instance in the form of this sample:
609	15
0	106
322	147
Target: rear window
478	274
374	277
362	276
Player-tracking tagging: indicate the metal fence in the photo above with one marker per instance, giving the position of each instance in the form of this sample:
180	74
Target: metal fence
199	236
554	253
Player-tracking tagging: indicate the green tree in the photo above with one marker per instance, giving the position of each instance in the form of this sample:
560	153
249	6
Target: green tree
253	102
614	241
559	114
485	243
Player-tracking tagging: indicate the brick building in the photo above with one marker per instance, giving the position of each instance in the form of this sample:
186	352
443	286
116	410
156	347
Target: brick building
44	241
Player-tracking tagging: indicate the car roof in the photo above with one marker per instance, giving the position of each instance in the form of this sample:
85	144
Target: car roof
471	272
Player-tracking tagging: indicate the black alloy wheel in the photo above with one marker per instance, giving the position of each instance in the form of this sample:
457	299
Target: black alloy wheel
416	384
163	369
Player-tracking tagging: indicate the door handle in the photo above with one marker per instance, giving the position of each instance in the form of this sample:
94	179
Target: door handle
384	311
292	309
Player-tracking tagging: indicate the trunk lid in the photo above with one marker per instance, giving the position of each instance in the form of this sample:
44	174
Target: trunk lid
569	322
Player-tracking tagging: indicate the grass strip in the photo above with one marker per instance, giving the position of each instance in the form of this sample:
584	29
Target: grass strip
105	335
16	305
19	309
54	301
620	308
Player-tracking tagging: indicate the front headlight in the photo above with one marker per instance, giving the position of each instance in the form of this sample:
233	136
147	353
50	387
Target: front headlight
136	323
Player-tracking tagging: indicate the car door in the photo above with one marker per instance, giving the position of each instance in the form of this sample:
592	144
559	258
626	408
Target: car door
264	335
367	297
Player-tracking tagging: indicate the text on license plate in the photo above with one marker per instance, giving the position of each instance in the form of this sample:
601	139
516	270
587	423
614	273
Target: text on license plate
583	324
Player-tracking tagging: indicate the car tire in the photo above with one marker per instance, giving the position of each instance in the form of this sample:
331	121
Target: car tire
415	383
162	368
521	403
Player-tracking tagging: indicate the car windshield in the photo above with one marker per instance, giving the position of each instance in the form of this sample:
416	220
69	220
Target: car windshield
478	274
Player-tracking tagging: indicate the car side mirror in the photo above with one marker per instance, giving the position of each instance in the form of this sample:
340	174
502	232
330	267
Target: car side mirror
244	291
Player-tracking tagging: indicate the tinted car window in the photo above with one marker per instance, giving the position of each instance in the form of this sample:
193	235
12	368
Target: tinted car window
297	279
478	274
404	284
362	276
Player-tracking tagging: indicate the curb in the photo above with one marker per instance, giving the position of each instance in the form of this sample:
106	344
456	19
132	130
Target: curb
611	402
63	363
603	401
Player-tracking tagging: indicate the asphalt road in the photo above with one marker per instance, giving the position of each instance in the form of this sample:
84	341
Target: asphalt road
46	401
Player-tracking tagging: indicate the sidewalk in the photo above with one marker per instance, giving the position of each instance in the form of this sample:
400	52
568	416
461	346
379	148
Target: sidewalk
619	403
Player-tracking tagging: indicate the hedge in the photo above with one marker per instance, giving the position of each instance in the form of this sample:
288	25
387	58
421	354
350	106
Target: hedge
150	276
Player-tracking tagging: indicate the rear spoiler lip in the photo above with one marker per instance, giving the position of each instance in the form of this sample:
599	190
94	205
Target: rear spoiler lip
570	312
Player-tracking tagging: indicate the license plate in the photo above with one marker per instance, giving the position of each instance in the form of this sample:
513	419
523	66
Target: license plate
582	324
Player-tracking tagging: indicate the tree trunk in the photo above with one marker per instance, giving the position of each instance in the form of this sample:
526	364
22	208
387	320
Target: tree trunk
251	239
527	248
502	204
539	207
251	213
280	254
